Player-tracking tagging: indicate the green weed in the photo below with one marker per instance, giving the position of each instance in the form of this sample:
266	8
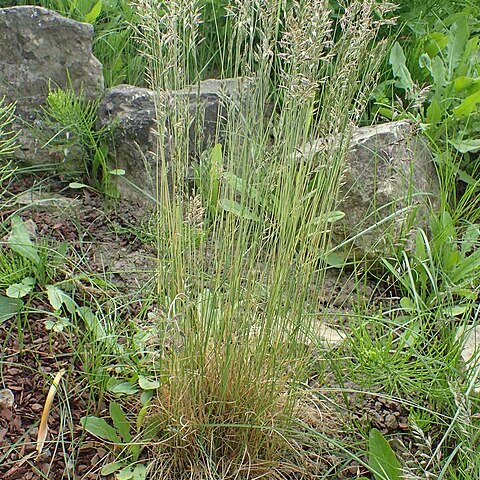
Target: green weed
69	128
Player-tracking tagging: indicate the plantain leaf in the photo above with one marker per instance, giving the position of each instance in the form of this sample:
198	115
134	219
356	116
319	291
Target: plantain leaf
120	421
240	211
126	388
9	307
100	428
92	322
19	241
139	472
57	297
383	462
19	290
111	468
125	474
335	216
77	185
147	384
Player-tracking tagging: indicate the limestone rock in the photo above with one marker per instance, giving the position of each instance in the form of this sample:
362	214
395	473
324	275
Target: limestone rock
33	199
389	185
390	178
39	48
131	110
7	398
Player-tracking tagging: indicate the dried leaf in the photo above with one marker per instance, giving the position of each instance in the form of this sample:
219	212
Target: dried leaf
471	344
43	428
470	337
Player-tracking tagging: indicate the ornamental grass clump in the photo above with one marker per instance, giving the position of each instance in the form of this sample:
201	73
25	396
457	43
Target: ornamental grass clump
239	293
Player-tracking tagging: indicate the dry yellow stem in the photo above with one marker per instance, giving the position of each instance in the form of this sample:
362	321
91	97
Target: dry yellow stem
43	428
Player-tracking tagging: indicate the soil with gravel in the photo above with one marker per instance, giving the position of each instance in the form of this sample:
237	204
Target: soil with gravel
30	359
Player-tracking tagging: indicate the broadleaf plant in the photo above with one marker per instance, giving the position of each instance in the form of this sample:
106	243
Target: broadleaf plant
127	465
382	459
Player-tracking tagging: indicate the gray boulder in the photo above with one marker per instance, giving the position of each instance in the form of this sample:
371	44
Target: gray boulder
389	187
40	48
132	113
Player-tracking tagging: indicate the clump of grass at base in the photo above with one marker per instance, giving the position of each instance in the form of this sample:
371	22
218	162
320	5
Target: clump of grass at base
238	294
230	418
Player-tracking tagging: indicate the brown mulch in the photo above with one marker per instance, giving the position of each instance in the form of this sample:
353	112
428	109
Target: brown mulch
30	358
30	355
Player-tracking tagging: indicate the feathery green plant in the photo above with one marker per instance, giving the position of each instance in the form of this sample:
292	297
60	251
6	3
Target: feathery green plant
7	136
68	126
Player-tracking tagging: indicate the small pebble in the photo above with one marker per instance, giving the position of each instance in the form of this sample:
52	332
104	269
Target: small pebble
7	399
